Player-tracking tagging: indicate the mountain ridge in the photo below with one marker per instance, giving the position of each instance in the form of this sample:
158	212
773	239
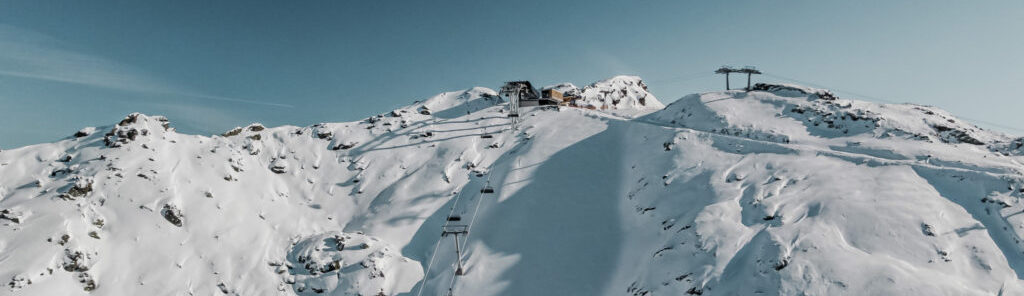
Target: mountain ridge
713	190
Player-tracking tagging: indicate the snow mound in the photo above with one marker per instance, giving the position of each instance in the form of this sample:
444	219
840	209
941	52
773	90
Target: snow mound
785	113
619	92
346	264
131	127
455	104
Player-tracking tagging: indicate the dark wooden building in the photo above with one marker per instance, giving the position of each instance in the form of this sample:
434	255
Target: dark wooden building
527	94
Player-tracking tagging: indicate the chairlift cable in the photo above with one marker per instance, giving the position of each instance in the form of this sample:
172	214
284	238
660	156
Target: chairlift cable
472	220
438	244
480	198
426	273
682	78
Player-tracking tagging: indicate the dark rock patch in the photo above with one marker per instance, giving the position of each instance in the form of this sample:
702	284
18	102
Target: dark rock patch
172	214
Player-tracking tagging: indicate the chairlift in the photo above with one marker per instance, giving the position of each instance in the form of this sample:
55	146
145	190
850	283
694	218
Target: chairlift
454	218
487	188
485	135
454	229
513	115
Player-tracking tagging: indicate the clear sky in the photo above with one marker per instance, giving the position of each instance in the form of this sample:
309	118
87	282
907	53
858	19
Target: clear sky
213	65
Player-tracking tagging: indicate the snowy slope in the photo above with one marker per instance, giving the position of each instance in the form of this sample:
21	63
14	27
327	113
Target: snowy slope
780	191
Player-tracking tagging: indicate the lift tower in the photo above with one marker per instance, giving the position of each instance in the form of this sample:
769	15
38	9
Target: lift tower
749	70
456	230
516	91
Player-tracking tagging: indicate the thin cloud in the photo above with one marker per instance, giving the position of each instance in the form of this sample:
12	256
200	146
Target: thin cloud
227	99
31	55
609	61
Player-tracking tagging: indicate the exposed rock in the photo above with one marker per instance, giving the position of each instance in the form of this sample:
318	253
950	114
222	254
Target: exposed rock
172	214
88	284
323	264
619	92
11	215
344	145
324	134
81	187
279	166
955	135
119	136
76	261
821	94
18	282
223	288
84	132
233	132
133	126
131	118
64	239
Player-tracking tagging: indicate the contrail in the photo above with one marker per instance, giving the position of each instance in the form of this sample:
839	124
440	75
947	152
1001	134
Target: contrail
31	55
44	77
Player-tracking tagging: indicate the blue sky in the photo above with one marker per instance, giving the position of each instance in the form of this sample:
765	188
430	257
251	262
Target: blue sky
213	65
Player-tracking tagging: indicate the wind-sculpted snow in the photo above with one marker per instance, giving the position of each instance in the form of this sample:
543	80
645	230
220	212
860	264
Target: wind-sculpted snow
783	190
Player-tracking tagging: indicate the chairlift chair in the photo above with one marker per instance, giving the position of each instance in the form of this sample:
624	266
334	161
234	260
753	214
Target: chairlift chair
454	218
487	188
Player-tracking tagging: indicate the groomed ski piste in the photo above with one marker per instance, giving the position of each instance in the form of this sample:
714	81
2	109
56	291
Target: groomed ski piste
781	190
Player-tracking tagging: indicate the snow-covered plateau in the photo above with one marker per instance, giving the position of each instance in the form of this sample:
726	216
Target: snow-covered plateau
782	190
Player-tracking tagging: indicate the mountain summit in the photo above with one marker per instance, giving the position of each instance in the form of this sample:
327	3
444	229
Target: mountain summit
781	190
619	92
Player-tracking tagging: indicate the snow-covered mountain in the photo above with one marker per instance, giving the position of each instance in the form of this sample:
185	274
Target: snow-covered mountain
625	96
620	92
783	190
